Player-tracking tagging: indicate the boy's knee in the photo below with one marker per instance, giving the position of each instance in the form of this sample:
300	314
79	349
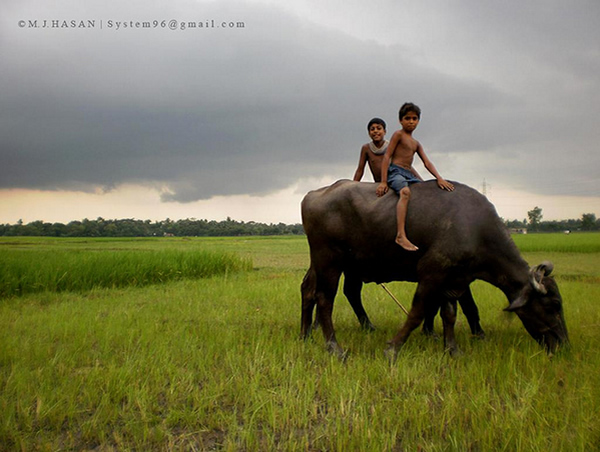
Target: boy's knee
405	193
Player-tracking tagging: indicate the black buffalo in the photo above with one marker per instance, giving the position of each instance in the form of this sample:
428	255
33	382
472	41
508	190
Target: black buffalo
460	238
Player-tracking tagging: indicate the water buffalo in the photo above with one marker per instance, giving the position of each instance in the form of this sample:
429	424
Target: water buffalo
460	238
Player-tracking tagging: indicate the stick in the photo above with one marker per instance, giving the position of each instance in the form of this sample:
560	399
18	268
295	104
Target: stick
394	298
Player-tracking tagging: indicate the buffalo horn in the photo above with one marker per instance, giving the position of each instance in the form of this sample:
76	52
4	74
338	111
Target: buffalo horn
535	277
545	267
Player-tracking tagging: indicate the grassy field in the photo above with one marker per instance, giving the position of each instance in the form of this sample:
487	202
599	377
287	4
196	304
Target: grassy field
39	266
213	361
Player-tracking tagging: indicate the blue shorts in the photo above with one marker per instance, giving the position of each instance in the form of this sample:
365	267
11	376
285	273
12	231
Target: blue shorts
399	177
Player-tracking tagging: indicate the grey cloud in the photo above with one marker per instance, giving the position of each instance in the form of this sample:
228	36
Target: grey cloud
219	112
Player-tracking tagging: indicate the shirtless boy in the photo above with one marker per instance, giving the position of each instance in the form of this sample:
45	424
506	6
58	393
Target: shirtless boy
374	151
396	168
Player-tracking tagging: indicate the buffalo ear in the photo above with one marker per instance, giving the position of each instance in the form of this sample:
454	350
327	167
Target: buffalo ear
516	304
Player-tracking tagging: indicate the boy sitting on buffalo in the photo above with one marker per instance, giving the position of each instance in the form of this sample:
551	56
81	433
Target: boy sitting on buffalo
396	169
373	151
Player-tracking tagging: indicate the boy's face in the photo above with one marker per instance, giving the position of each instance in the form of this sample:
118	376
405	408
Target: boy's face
409	121
376	132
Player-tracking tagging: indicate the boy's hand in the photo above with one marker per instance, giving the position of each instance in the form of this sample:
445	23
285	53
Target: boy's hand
445	185
382	189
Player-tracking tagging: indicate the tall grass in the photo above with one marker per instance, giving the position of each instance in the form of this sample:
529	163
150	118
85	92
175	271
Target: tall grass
584	242
216	364
34	270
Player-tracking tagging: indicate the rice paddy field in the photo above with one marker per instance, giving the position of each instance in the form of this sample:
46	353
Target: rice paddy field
192	344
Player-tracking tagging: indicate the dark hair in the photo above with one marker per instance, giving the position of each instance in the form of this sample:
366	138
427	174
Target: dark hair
407	108
379	121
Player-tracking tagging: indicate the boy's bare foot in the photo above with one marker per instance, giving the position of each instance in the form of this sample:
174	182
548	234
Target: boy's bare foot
406	244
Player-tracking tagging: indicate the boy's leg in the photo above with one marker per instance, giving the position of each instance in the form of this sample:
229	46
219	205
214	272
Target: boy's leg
401	209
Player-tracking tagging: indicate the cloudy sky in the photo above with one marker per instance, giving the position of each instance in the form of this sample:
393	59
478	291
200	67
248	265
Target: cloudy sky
208	109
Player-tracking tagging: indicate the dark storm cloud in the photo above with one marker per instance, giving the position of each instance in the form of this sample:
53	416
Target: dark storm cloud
218	112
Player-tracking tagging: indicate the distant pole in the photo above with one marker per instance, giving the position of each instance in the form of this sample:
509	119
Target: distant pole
484	188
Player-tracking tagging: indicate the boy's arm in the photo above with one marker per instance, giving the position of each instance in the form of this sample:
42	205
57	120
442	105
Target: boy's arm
362	161
442	183
385	164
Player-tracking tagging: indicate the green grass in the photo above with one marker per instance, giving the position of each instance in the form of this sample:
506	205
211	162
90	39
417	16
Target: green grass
585	242
216	364
29	267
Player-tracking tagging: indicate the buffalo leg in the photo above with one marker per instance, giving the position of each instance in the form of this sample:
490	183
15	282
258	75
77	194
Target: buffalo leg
415	317
352	291
308	290
430	313
469	309
318	289
448	313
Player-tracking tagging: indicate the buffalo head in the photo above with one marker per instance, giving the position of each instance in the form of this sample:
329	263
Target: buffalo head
539	306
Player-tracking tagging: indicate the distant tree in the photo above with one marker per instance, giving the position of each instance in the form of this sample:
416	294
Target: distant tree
110	230
515	224
535	218
75	229
588	222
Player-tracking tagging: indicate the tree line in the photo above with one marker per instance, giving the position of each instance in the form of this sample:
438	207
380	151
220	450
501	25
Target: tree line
534	223
205	228
145	228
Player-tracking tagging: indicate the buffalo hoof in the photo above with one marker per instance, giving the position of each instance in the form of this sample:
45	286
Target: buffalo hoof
478	336
391	353
430	334
453	351
368	327
306	335
335	349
